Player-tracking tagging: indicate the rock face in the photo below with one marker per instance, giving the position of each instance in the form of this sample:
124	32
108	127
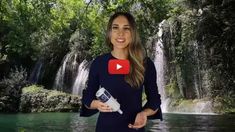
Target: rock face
197	46
9	104
10	90
37	99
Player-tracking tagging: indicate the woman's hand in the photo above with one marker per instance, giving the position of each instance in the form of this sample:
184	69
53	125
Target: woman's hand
102	107
140	121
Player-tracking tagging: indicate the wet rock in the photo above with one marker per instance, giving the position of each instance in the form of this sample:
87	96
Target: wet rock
37	99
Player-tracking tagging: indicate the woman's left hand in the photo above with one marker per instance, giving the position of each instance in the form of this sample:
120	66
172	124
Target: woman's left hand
140	121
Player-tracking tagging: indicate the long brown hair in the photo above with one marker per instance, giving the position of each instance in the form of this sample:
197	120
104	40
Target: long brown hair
135	50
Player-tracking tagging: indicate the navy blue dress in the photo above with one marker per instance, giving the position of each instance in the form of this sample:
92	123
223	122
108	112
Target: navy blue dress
129	98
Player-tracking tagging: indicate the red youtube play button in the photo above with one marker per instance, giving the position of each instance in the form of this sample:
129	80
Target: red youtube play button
118	66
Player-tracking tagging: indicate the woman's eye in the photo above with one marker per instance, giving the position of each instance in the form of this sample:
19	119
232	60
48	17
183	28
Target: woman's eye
114	28
126	28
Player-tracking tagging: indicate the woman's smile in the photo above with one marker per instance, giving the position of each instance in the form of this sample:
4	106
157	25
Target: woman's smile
120	40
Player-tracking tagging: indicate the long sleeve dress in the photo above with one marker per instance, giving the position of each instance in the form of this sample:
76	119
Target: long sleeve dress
129	98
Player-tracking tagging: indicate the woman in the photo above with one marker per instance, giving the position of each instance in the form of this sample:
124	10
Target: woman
123	39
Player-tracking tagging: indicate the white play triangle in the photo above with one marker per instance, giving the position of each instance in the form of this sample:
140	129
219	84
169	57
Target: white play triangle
118	66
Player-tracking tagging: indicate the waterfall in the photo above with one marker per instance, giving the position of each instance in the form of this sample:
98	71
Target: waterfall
65	73
159	62
72	76
82	76
199	76
35	74
203	107
196	106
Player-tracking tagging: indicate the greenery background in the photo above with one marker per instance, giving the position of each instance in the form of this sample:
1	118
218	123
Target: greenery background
31	30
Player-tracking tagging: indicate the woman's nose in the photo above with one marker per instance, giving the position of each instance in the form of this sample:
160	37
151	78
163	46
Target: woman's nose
120	32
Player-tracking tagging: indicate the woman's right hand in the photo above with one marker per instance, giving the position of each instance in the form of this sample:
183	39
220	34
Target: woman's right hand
102	107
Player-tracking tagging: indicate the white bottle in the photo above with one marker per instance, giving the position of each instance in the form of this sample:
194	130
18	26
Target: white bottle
104	96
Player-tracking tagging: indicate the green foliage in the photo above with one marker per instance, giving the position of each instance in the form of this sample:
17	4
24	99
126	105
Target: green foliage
32	89
217	35
21	20
187	35
224	104
29	25
149	14
10	90
172	90
54	93
12	85
37	99
21	129
30	30
176	11
3	58
96	22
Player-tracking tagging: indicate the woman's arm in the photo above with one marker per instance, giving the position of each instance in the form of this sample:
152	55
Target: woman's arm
152	107
149	112
102	107
141	118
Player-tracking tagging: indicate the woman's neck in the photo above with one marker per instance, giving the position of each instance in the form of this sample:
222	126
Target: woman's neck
120	54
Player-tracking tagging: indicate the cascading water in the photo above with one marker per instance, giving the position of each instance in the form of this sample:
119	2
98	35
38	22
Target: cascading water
201	103
197	75
159	62
69	64
71	76
81	78
35	74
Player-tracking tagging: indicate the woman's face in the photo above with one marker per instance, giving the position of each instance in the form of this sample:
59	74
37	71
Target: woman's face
120	33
